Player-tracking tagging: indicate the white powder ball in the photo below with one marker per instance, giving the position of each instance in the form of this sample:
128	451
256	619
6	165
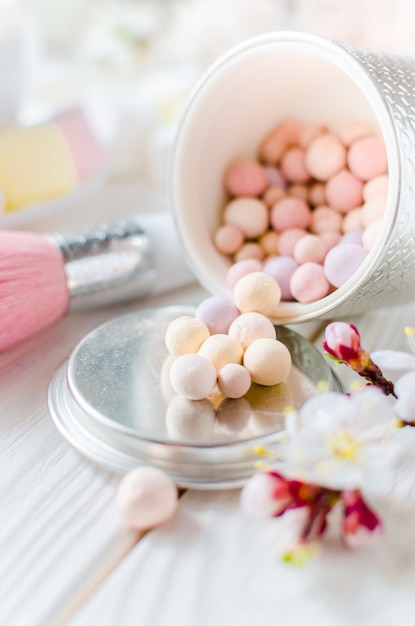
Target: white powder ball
193	376
146	497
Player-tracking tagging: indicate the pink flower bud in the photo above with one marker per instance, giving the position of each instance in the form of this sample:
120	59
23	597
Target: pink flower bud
265	494
359	522
342	341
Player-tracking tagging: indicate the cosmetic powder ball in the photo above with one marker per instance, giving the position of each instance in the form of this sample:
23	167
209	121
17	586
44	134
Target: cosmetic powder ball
258	292
146	497
248	327
268	361
217	313
221	349
193	376
185	335
234	380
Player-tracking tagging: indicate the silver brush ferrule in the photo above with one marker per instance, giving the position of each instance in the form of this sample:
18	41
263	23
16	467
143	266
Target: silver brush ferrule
107	264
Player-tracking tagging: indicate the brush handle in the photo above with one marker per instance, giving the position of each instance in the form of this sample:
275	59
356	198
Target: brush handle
122	261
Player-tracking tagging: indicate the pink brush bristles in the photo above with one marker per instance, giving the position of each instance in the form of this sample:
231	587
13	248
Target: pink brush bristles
33	286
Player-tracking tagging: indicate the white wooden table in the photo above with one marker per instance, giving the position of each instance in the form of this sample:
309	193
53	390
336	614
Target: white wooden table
67	559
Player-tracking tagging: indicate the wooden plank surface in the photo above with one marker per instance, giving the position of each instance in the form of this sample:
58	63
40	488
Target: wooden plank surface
60	533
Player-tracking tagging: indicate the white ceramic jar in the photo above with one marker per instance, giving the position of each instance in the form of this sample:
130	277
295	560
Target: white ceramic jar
246	93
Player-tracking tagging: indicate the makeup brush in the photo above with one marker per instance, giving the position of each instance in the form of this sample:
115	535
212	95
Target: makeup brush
42	277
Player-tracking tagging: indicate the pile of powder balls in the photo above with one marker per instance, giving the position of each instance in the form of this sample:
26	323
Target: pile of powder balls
308	210
229	344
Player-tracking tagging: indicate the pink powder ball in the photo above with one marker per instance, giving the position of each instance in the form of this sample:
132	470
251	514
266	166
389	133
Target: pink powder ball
272	147
317	194
293	167
228	239
325	156
290	213
344	191
291	128
272	195
287	240
342	262
298	191
217	314
249	250
249	327
240	269
275	143
248	214
325	220
245	177
234	380
274	177
310	249
146	497
330	239
309	283
269	242
367	158
281	268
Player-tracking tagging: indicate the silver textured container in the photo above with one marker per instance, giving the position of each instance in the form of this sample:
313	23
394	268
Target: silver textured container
256	85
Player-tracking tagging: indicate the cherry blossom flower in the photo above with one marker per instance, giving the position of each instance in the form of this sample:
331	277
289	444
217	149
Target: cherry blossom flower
333	441
337	435
337	442
405	385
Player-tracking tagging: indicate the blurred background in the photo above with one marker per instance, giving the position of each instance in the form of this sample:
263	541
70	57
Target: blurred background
131	64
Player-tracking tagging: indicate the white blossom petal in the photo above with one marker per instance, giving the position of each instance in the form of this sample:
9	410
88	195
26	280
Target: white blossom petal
338	434
405	404
393	360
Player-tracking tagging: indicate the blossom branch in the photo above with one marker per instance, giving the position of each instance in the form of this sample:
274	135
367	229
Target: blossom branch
342	343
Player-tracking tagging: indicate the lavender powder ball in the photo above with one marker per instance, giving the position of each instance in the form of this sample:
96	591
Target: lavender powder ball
217	314
281	269
353	236
342	262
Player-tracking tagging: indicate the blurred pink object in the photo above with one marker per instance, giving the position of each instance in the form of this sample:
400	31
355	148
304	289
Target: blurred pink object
88	153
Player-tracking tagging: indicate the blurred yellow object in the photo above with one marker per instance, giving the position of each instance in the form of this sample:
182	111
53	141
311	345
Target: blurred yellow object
35	165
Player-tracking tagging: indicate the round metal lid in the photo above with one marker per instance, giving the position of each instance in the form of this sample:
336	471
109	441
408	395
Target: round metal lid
112	400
